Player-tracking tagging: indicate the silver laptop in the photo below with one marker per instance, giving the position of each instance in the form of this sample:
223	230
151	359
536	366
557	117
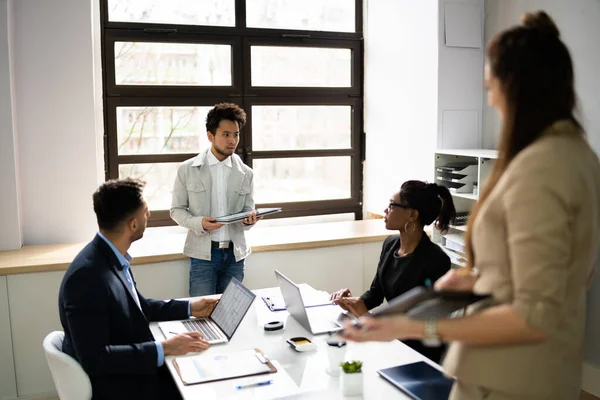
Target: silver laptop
222	323
317	320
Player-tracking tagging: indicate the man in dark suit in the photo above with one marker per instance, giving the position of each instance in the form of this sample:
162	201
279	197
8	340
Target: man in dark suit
106	320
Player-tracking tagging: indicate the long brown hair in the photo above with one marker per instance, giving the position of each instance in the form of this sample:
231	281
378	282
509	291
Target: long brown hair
536	78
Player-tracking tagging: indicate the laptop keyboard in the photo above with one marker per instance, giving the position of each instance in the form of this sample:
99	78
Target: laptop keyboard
200	325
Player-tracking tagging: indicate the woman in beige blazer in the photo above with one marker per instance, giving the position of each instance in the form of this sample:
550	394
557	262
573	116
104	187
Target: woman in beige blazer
532	239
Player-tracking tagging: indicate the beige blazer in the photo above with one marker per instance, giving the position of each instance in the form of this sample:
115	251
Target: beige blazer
191	203
535	242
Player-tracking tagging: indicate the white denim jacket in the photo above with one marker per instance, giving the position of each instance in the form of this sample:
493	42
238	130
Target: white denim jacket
191	203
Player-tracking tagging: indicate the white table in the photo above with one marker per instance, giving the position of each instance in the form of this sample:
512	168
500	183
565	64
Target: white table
300	375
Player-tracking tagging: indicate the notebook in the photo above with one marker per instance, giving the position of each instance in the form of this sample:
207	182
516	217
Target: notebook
215	367
237	217
419	380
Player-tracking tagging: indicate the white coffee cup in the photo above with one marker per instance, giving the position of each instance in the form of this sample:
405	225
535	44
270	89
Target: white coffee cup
336	353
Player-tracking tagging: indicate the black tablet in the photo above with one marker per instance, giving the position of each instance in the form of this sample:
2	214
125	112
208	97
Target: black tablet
419	380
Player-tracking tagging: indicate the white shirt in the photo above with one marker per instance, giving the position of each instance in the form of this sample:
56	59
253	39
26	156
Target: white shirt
219	173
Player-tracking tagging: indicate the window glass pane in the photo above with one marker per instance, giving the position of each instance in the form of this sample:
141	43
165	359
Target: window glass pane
161	130
181	12
159	180
300	66
301	127
185	64
285	180
312	15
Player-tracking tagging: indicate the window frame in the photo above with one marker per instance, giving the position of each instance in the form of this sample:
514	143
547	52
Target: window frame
240	92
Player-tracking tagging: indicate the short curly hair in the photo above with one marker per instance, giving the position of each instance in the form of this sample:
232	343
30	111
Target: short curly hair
224	111
117	200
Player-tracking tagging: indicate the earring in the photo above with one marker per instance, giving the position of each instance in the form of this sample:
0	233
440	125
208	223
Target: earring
414	226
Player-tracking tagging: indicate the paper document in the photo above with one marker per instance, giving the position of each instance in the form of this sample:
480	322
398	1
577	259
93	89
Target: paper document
212	367
310	296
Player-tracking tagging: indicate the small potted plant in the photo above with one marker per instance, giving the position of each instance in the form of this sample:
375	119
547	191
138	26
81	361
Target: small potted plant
351	380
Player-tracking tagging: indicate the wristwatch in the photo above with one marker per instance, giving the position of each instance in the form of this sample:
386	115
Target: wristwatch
432	339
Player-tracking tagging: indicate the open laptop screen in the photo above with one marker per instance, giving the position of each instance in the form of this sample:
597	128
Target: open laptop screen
232	307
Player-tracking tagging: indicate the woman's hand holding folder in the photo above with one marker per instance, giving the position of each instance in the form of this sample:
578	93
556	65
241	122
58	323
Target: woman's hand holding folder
383	329
457	279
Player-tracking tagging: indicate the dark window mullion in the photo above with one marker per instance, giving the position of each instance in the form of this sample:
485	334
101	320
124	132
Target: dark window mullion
154	158
229	31
267	154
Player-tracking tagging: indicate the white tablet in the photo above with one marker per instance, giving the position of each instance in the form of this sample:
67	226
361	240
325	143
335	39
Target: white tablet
237	217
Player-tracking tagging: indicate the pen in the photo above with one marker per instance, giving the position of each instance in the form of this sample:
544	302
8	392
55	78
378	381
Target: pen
265	383
427	283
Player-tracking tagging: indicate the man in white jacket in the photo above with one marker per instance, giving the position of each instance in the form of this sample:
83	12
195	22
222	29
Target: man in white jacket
215	183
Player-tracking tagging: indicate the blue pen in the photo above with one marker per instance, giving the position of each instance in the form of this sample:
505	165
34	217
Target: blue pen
265	383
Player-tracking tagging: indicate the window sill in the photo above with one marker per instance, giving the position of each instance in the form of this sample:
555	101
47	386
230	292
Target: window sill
166	244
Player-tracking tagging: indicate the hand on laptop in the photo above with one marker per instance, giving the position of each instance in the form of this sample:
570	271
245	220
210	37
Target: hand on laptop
355	305
189	342
335	296
201	308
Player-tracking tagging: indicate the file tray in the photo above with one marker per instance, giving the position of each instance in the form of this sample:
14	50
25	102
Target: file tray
464	168
205	368
454	241
457	186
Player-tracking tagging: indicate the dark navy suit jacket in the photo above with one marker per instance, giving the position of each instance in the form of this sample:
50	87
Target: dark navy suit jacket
106	331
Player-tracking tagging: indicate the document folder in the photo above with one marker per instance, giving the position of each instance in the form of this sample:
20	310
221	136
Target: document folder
428	303
419	380
216	367
237	217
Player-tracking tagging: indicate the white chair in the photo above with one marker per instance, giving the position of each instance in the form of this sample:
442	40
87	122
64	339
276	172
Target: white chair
71	381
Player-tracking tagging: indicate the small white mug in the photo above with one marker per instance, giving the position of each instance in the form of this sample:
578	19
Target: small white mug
336	353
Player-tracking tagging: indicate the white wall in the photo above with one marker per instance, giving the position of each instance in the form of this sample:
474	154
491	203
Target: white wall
460	86
8	383
56	102
401	70
579	23
10	234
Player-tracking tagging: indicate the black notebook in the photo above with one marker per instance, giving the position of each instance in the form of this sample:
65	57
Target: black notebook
419	380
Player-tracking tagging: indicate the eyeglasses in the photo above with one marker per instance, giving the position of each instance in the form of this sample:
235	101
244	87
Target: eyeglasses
392	205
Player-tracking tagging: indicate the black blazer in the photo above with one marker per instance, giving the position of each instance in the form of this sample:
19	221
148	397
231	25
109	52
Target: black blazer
396	276
105	329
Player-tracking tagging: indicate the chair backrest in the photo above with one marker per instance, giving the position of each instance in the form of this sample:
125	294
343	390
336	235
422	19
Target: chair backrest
71	381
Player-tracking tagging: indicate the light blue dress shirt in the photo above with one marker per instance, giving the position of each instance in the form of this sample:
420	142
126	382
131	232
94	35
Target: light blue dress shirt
124	261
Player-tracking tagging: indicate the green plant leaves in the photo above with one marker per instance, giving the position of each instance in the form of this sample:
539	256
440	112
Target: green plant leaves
352	367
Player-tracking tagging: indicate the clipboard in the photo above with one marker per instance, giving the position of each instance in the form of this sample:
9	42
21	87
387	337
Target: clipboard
197	369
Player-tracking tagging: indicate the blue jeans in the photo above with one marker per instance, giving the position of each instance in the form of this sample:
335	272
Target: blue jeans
212	277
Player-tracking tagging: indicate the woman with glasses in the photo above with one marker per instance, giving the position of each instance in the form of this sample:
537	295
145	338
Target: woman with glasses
532	239
409	259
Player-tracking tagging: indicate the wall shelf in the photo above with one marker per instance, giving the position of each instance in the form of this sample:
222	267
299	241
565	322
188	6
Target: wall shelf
464	202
